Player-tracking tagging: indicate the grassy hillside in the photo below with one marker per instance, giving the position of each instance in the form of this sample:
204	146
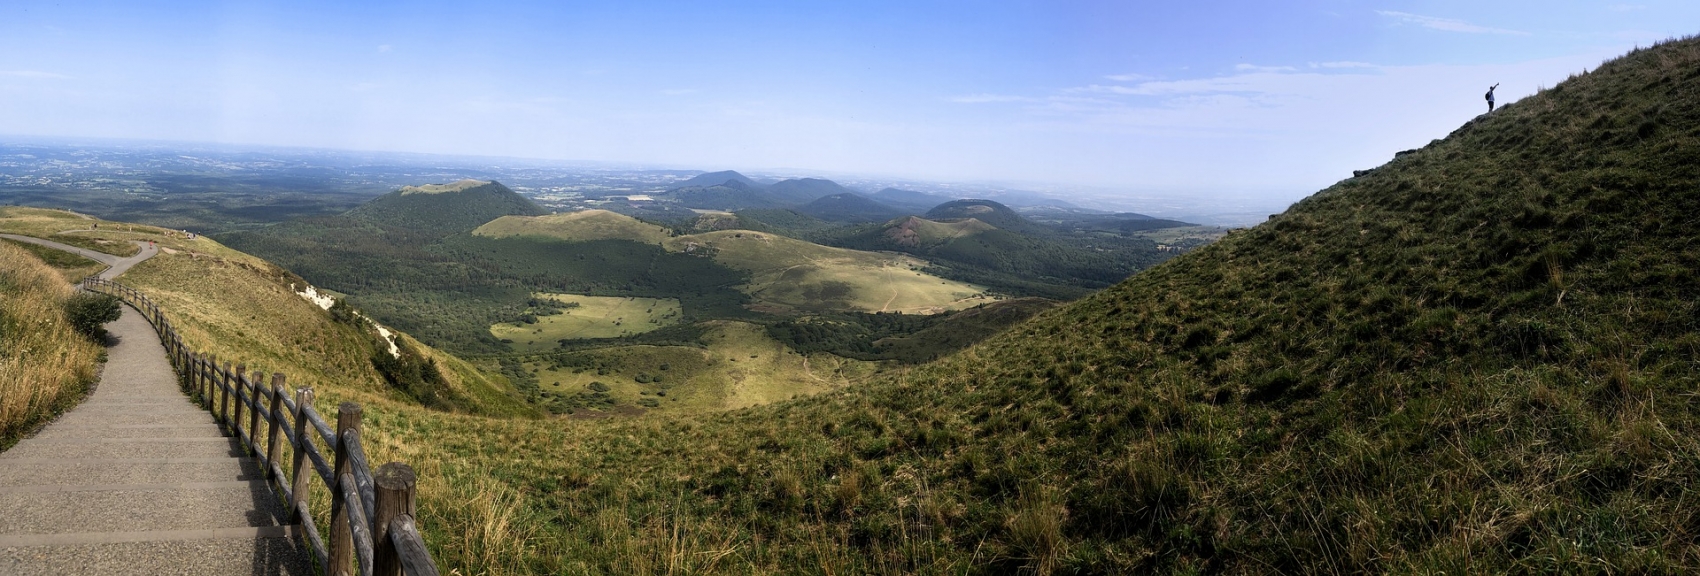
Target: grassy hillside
788	274
920	233
578	226
737	366
45	364
574	316
76	229
1475	359
72	267
987	211
1027	260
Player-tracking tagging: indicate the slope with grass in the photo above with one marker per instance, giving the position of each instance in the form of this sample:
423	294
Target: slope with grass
581	226
586	317
45	364
787	274
71	267
1476	359
1027	260
736	367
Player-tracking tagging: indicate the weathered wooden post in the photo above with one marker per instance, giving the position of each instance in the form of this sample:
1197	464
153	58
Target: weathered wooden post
395	484
237	386
254	396
274	416
223	382
298	480
205	376
342	536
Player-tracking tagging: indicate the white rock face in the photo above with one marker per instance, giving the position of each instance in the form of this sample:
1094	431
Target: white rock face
325	301
388	337
312	295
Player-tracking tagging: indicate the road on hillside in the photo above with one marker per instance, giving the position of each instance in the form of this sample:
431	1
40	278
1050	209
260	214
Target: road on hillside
115	264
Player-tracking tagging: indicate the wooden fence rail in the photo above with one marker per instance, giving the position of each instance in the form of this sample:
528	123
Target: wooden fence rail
372	513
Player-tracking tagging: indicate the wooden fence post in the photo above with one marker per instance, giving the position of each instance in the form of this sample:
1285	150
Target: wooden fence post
205	380
224	398
342	536
395	483
237	387
254	395
298	476
273	417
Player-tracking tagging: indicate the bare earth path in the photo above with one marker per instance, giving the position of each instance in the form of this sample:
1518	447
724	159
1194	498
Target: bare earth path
137	479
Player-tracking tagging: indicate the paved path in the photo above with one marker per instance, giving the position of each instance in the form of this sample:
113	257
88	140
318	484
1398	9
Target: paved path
138	480
116	264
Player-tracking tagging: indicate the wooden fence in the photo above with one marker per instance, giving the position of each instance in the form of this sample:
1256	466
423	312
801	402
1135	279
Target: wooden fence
372	513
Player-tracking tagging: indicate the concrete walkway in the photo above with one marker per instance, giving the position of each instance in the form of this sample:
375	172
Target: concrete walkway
138	480
116	264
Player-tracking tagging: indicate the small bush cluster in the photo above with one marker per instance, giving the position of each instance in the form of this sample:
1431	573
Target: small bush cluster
89	312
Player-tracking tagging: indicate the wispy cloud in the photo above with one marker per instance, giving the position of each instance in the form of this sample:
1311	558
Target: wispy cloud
988	99
678	91
1127	77
1267	69
33	74
1340	65
1447	24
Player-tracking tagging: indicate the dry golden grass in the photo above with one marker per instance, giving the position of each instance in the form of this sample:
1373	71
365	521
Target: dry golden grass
44	363
788	274
455	186
581	226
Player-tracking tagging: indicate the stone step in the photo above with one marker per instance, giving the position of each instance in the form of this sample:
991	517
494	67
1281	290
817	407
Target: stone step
138	510
92	448
78	417
176	554
131	431
128	471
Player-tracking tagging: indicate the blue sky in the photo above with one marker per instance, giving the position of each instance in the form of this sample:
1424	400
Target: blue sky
1133	99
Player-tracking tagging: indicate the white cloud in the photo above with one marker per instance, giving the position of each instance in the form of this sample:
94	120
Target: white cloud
1338	65
988	99
33	74
1447	24
1255	68
1127	77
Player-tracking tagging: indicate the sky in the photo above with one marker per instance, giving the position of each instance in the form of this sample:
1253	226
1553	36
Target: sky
1270	99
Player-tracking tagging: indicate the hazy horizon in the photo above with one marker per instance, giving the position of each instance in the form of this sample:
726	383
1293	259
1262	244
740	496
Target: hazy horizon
1100	100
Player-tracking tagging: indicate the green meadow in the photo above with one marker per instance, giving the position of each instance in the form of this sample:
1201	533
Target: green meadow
587	317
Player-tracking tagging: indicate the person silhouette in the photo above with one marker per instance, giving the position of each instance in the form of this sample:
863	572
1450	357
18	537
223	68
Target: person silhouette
1490	96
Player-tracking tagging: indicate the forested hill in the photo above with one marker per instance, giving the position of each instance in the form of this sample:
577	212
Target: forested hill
986	211
446	209
1478	358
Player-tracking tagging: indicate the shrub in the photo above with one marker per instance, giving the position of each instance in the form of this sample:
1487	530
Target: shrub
88	313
